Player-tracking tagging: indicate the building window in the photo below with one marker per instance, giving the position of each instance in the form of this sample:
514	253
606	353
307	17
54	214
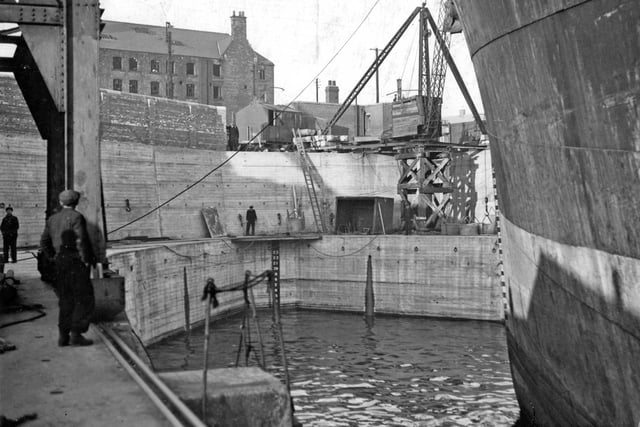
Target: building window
133	64
155	66
217	93
155	88
190	90
133	86
117	63
261	72
216	70
191	69
117	84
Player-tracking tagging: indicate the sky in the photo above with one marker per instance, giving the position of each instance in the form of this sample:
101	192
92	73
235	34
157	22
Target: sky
301	36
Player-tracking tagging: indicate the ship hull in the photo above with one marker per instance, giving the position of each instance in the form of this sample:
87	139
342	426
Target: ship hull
560	83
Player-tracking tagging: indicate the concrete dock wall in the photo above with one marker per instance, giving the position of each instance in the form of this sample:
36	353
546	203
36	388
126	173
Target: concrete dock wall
440	276
150	175
444	276
152	149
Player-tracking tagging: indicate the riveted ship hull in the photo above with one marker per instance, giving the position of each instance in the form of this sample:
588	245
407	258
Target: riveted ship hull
560	83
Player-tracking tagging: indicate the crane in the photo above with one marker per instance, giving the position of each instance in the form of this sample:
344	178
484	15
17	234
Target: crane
371	71
431	79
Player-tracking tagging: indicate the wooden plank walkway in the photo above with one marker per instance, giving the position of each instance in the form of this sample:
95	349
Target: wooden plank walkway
276	237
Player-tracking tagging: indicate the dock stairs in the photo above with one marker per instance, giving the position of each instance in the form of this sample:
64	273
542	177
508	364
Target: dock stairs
305	162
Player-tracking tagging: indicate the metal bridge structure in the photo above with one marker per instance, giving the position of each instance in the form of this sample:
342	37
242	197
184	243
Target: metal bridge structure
55	63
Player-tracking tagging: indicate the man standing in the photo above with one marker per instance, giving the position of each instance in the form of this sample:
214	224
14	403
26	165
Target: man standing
251	221
407	217
9	229
65	238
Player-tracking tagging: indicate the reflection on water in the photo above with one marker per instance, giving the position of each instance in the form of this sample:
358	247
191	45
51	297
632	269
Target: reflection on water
393	371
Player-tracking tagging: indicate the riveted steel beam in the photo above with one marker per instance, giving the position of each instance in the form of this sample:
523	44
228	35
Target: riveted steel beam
31	14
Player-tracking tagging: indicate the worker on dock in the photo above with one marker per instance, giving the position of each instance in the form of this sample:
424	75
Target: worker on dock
65	240
407	218
75	291
9	228
251	221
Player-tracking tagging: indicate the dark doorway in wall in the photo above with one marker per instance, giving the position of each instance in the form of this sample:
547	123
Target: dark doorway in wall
364	215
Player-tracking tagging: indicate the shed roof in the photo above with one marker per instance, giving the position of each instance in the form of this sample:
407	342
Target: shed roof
279	107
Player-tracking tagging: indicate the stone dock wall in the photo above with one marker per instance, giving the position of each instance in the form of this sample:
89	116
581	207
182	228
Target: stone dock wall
439	276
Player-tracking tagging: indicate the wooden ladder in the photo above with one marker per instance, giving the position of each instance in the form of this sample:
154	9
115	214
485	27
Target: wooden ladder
305	162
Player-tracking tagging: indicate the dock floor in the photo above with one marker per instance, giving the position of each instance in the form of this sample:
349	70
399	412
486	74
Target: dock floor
70	386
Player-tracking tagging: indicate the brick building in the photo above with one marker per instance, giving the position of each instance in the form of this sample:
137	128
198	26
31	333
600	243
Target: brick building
198	66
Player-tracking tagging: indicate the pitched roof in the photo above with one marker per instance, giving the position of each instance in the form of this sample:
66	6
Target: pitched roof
150	38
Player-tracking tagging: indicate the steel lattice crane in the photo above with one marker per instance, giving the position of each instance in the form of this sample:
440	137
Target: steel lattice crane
424	159
431	79
435	85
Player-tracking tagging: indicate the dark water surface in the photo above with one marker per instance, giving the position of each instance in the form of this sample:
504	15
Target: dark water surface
394	371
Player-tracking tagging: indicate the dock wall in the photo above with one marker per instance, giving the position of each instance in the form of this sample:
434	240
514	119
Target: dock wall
440	276
152	149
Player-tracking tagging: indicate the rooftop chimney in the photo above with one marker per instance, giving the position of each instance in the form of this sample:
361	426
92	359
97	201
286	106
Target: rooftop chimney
332	93
238	26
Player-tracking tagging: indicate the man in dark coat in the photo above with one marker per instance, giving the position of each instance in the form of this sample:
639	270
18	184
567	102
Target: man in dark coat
75	292
65	240
251	221
9	229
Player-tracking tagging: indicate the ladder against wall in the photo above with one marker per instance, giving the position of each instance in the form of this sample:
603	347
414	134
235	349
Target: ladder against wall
305	163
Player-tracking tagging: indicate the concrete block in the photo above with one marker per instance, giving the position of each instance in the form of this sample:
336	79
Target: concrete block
235	396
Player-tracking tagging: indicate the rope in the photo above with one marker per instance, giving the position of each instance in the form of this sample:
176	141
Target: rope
345	255
205	254
178	253
24	307
406	60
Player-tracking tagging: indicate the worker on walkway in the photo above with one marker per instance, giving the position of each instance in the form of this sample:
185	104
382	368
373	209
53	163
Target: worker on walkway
65	240
407	218
251	221
75	291
9	228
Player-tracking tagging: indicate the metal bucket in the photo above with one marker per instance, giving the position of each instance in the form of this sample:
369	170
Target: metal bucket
294	225
450	228
468	229
109	297
490	228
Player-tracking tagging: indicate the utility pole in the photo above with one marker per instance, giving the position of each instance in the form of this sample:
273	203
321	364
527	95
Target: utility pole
170	62
377	81
317	88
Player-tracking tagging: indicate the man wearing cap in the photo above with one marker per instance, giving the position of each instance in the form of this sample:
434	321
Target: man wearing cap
9	228
65	237
251	221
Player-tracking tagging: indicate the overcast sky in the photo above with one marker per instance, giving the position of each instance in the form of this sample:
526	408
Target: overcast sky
301	37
